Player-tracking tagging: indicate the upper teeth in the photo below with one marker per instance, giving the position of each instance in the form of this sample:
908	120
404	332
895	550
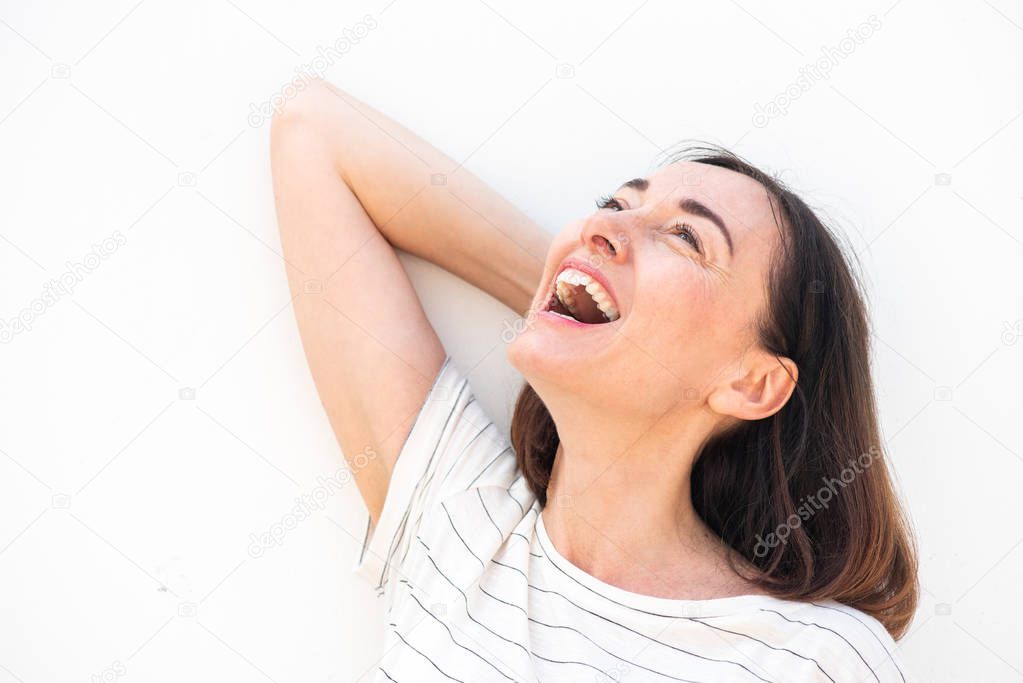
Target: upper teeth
570	277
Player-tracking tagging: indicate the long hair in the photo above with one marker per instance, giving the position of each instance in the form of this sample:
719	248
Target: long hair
805	495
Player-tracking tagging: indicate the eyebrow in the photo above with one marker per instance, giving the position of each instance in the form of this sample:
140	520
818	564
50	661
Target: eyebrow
689	205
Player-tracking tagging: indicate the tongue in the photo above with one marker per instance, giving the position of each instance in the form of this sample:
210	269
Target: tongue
586	308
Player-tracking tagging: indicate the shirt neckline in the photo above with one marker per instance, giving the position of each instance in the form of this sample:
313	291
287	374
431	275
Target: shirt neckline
649	603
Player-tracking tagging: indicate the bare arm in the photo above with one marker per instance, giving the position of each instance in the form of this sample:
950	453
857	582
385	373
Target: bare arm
351	184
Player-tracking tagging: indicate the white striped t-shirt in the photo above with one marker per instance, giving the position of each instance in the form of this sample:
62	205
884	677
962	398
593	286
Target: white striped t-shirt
475	591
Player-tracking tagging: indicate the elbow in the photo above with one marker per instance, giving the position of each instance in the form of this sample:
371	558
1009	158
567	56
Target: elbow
303	108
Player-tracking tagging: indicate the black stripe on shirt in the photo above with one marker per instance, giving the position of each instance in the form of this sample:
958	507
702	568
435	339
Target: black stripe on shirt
635	609
472	618
397	633
588	666
511	642
496	458
468	444
765	644
465	599
693	619
456	459
452	636
810	623
599	647
500	533
510	604
429	472
508	490
401	528
650	638
883	646
455	529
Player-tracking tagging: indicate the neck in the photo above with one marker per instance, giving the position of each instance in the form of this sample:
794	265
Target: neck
619	504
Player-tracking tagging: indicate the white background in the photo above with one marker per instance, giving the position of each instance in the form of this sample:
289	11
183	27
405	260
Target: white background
127	505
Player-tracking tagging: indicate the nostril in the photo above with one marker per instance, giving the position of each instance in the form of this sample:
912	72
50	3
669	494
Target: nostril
605	243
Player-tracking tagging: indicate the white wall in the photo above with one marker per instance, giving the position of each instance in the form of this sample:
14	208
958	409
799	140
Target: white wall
126	506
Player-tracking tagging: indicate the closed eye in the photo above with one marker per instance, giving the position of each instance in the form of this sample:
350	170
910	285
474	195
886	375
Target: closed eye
685	230
608	202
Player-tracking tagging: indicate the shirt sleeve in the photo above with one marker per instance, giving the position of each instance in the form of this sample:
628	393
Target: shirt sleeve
452	446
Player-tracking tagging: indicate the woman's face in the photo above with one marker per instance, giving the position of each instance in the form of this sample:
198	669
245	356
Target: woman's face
681	292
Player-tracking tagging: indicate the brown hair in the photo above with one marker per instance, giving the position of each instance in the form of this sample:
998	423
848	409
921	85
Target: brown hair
805	494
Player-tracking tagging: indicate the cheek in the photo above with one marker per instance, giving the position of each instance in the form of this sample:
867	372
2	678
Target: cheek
677	325
684	325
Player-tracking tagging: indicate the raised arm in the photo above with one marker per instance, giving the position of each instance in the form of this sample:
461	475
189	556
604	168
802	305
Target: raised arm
350	184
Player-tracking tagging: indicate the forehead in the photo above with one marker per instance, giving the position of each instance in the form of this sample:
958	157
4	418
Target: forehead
742	202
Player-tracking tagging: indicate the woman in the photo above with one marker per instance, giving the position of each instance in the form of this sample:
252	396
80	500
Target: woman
693	488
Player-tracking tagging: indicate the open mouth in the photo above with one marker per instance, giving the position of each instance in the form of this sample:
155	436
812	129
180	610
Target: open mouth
579	297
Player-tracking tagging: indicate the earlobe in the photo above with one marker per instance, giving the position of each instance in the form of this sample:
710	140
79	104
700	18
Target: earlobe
761	392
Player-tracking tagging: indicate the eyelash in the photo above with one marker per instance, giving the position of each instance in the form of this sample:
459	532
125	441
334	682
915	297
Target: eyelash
608	202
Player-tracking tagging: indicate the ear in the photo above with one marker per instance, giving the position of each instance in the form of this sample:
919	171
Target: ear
763	386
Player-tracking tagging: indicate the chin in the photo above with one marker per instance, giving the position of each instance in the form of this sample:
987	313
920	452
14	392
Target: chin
525	353
552	365
536	356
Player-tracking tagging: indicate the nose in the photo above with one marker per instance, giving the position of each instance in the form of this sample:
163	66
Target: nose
605	238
